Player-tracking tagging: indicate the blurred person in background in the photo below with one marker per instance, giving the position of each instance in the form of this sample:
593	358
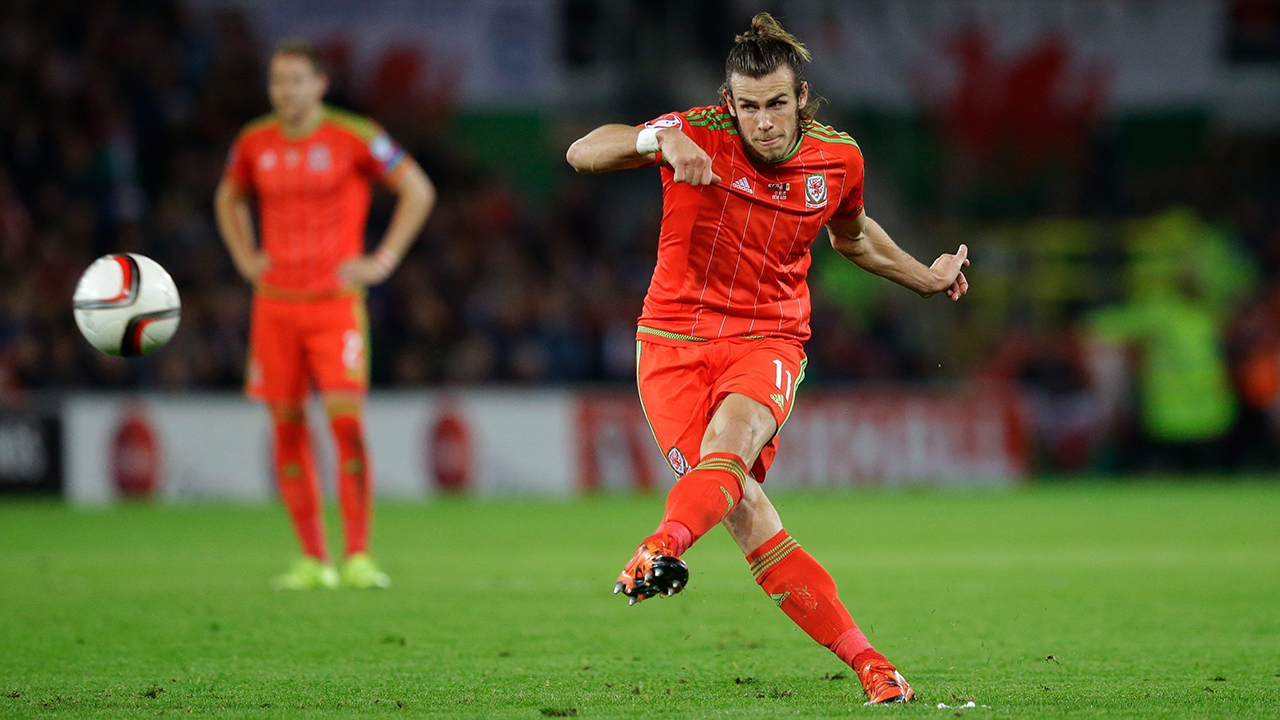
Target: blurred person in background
310	167
1173	325
747	187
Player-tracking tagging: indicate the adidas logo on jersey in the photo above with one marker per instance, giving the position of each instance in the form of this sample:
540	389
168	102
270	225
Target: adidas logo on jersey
744	185
778	399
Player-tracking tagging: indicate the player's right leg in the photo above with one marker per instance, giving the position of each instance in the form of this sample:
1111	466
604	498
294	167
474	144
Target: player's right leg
277	377
738	429
805	591
337	356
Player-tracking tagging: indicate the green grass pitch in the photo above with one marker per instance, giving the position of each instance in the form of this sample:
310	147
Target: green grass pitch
1101	600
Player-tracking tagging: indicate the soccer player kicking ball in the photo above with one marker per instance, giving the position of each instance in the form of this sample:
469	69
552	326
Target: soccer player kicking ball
310	167
747	186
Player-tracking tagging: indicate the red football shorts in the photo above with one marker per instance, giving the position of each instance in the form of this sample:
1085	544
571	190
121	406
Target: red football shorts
295	345
681	387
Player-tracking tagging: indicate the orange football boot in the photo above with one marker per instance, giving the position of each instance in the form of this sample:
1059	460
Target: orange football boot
884	684
653	571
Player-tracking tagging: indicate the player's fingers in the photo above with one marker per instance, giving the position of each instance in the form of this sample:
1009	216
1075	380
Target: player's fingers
715	179
704	171
963	252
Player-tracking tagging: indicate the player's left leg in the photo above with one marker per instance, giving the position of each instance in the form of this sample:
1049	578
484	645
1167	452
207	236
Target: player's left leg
805	591
337	354
763	380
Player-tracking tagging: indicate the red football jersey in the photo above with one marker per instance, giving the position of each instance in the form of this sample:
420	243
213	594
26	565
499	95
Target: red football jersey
733	257
313	193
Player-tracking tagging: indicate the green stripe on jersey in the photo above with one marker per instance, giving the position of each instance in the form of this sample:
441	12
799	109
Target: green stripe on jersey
670	335
846	140
361	126
258	123
690	338
714	120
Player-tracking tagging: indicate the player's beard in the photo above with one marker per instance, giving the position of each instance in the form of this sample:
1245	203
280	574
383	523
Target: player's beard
780	149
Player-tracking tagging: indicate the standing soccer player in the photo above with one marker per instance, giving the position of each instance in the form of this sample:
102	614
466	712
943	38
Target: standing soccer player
747	186
310	167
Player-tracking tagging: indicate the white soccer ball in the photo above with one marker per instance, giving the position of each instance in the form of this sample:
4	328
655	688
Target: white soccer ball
126	305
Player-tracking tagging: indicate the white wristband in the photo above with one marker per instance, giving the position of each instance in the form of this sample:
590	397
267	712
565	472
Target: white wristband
647	141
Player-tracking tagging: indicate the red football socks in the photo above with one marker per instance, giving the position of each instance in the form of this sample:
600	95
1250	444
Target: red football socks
701	499
807	594
296	479
354	488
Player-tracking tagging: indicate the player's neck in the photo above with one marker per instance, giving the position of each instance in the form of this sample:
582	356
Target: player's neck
303	124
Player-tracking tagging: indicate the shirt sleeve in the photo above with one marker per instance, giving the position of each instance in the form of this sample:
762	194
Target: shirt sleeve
239	169
680	121
381	155
851	203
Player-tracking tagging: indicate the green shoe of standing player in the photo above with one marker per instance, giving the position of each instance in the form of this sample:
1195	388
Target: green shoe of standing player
361	572
307	573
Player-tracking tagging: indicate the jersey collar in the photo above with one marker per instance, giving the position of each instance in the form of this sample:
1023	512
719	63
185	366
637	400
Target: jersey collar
302	132
779	161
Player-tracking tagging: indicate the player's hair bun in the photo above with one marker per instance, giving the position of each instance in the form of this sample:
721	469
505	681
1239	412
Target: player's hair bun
763	49
766	30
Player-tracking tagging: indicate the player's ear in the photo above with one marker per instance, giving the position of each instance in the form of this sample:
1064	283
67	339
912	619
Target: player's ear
724	94
804	94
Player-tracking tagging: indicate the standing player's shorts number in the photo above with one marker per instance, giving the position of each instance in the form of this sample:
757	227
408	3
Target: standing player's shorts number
786	388
353	349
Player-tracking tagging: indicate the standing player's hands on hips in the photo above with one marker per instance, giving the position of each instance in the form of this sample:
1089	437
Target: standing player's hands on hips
691	164
949	275
252	266
364	271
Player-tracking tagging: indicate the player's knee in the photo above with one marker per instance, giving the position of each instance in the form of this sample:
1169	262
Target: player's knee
288	414
340	405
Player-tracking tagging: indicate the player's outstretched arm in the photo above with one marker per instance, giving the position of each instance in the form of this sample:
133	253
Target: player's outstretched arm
235	224
614	147
867	245
415	197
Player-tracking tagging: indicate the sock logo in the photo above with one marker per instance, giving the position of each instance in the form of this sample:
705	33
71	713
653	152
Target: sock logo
728	497
777	599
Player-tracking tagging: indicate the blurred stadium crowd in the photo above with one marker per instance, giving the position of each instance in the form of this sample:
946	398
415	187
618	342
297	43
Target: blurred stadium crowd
115	119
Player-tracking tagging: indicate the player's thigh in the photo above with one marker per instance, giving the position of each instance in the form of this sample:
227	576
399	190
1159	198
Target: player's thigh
768	371
337	347
676	399
276	372
739	425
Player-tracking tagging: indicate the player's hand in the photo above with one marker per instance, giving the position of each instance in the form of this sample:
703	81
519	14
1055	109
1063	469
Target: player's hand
690	163
363	271
252	266
948	274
